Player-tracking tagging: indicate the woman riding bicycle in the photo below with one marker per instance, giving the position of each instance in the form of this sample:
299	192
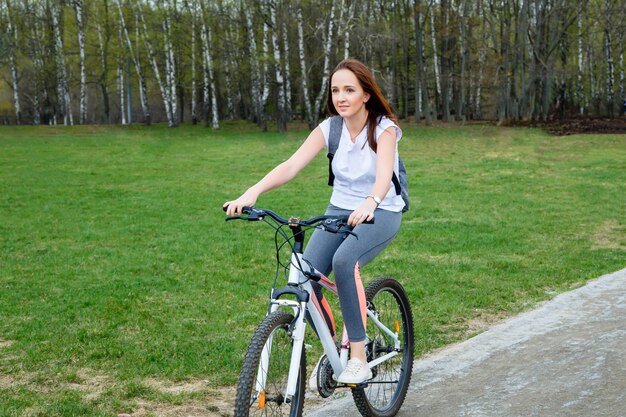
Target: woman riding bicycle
363	166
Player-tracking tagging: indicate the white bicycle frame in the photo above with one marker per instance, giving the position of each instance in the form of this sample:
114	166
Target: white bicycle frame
337	360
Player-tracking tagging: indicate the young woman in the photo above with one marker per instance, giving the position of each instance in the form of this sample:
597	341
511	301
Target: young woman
363	165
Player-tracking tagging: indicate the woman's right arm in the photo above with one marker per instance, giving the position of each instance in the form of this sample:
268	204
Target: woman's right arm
280	175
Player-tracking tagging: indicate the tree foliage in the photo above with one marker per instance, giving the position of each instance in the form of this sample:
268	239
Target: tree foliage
117	61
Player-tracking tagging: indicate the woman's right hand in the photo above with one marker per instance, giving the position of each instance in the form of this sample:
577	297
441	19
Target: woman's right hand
247	199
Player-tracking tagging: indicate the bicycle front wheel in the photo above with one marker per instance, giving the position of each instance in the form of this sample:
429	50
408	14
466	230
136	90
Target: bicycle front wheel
386	391
263	378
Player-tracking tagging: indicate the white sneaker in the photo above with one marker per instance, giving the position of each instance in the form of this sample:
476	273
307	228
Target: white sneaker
313	379
355	372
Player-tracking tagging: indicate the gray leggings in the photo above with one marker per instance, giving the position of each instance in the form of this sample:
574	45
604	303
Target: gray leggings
344	255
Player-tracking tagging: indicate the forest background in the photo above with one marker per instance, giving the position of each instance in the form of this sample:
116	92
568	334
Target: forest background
118	61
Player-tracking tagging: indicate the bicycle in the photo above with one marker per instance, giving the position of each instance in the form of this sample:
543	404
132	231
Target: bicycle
273	375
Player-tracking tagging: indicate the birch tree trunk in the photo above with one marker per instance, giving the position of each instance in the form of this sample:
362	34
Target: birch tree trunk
164	88
325	72
138	69
520	76
504	89
78	9
121	93
35	53
103	46
594	93
206	92
610	67
446	67
63	90
482	54
285	30
119	84
12	44
434	43
303	70
581	65
170	65
230	107
348	23
421	90
255	76
464	50
622	92
193	10
209	80
281	119
266	53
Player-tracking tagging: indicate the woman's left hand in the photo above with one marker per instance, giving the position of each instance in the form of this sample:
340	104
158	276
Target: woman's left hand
364	212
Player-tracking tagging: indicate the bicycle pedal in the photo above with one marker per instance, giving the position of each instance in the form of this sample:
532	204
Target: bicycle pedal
359	385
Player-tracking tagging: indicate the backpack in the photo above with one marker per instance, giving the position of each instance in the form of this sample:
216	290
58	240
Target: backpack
400	184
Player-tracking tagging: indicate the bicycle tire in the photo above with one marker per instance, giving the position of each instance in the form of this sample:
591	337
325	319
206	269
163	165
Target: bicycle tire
386	391
247	403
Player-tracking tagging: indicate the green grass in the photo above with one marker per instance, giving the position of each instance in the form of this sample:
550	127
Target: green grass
117	268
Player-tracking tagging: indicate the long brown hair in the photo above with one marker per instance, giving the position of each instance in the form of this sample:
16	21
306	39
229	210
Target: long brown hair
377	106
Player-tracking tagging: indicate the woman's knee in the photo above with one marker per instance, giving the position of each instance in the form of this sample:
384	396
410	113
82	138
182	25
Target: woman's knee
343	268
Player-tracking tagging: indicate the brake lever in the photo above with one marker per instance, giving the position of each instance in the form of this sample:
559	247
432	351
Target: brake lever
336	227
347	232
234	218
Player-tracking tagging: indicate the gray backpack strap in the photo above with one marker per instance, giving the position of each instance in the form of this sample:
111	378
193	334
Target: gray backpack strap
334	135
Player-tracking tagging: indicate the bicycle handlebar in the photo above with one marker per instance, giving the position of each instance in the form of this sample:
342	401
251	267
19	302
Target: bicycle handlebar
255	214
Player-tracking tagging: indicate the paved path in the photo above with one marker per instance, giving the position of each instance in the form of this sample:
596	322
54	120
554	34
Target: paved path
566	358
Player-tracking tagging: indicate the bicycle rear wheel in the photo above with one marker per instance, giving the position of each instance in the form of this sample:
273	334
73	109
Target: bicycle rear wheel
261	392
385	392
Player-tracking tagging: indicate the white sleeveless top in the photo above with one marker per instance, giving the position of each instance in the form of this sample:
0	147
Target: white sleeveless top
354	166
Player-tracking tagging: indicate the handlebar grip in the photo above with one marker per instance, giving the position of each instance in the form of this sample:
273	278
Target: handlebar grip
346	217
244	210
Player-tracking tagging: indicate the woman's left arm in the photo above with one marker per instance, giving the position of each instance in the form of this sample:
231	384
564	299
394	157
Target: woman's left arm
385	157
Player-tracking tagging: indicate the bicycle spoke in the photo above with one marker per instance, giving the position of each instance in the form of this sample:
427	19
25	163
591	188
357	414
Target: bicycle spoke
385	392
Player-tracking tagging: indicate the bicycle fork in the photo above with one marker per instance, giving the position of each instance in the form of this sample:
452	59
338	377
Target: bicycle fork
296	329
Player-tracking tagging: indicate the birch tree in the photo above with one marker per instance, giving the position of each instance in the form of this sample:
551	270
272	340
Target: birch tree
228	74
464	53
481	62
209	80
103	31
63	90
348	24
266	54
525	58
193	11
421	90
255	76
281	119
446	60
581	65
304	79
433	38
80	24
170	65
137	63
622	91
12	33
164	87
285	35
608	53
35	53
326	69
